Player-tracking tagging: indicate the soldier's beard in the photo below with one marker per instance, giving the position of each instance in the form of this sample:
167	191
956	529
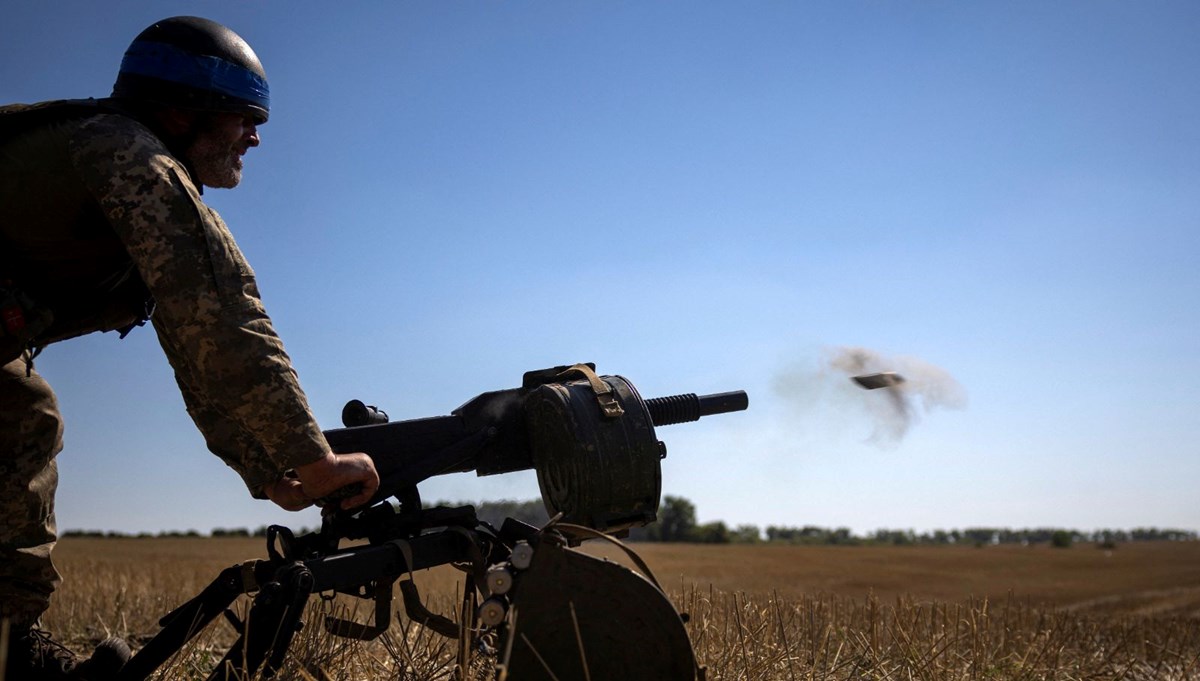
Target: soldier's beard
217	162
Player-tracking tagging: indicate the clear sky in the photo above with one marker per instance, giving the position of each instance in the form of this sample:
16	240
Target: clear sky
998	198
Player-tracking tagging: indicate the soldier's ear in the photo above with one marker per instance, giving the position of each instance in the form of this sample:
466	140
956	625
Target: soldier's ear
176	122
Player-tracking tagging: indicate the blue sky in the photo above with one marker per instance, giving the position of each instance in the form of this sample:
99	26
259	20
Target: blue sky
701	197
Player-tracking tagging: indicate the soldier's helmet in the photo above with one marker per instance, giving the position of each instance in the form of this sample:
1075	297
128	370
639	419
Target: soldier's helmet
194	63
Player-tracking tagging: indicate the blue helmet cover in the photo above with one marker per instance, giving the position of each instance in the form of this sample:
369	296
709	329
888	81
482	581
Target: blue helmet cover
202	72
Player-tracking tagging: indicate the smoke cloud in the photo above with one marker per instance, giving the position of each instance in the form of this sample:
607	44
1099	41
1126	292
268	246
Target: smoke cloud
891	411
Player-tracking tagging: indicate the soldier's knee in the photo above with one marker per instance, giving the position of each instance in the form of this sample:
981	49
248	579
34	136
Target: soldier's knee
30	423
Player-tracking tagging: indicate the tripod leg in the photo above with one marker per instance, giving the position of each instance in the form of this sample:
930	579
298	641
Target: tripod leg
273	620
182	624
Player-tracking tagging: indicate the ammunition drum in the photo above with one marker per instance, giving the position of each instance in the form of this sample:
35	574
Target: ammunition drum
597	462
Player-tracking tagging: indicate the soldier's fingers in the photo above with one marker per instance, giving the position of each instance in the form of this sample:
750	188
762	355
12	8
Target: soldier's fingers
360	492
296	505
289	498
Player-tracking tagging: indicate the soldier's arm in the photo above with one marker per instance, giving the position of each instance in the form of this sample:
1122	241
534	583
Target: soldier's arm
208	315
225	438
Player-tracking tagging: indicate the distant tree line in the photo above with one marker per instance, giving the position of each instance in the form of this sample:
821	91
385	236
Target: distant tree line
677	523
174	534
531	512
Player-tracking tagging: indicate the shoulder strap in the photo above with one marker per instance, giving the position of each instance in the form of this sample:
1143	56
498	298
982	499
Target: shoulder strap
15	118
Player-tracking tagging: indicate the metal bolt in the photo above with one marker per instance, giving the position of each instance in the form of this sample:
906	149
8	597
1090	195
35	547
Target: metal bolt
499	579
491	612
522	555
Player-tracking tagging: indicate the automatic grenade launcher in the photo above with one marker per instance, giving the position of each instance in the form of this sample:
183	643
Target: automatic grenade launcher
542	608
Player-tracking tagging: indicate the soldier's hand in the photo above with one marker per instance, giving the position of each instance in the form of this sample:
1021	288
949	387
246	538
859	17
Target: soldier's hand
288	494
326	476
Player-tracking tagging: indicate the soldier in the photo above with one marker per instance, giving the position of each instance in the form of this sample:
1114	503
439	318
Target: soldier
102	228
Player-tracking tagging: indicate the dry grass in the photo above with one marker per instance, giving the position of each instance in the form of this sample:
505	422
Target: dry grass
1148	578
756	612
829	637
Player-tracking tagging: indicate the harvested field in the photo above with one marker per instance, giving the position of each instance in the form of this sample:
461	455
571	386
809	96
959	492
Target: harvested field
757	611
1148	578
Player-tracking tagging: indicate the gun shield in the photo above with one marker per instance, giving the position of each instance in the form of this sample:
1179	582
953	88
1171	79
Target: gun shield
586	617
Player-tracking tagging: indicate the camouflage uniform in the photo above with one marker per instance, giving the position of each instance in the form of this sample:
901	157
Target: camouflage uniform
106	181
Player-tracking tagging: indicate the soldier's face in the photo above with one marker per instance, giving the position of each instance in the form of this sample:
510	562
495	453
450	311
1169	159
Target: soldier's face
216	154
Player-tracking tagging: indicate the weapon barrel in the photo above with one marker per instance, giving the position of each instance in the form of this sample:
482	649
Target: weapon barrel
666	411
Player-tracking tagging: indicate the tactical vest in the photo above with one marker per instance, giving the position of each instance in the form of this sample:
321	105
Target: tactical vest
63	270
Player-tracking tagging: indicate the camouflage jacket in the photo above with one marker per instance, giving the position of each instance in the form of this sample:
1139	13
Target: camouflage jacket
237	382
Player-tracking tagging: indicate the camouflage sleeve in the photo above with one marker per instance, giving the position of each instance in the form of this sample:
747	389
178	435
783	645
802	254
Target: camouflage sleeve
225	438
238	381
